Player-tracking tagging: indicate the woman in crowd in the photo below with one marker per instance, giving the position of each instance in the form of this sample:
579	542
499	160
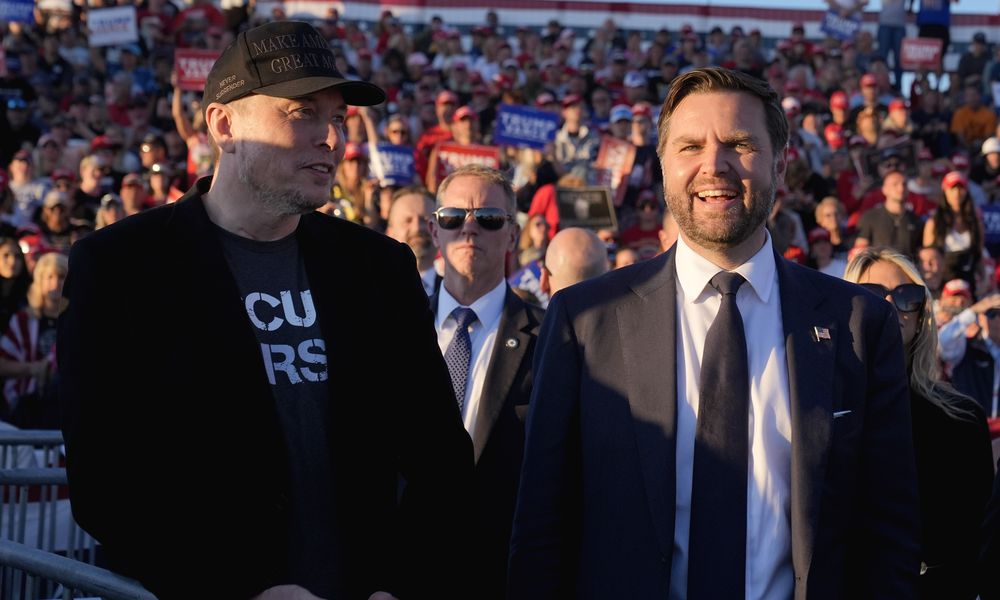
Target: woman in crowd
534	239
27	349
957	229
953	456
14	279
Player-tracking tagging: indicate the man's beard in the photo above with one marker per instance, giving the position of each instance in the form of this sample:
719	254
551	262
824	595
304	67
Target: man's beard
421	244
276	202
732	228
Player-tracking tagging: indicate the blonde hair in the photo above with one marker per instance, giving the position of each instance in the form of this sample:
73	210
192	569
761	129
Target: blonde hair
925	368
488	174
50	261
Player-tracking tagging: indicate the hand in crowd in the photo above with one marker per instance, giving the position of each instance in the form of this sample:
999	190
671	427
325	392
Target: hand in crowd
991	301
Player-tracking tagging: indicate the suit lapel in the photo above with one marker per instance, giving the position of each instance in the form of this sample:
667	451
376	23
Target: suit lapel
647	328
810	355
511	345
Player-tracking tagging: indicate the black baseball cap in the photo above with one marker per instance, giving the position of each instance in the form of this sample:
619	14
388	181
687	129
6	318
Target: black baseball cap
287	59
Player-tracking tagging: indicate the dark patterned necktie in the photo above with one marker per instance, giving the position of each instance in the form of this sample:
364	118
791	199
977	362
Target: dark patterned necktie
717	540
459	352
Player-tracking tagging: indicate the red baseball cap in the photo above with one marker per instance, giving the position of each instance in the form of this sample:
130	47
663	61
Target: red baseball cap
838	100
897	104
857	140
571	99
960	161
445	97
463	113
952	179
957	287
355	151
818	234
642	109
544	99
868	80
834	135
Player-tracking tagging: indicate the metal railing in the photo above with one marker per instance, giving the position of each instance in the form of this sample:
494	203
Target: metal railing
25	571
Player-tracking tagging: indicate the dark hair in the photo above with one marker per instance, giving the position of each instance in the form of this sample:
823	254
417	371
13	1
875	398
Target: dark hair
715	79
944	220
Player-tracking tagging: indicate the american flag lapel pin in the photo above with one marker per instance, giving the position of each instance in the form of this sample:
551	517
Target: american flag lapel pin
821	333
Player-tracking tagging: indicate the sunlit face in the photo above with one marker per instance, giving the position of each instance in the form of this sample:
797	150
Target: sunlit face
11	263
826	217
408	216
287	149
50	283
719	170
894	186
889	275
472	252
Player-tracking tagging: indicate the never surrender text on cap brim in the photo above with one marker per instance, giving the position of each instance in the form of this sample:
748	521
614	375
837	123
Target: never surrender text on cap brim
287	59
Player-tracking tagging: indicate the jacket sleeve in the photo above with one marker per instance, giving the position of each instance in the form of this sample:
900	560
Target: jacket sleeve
547	520
434	451
888	555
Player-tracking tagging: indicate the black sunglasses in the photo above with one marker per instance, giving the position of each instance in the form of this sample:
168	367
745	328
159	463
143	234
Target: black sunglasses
993	313
491	219
909	297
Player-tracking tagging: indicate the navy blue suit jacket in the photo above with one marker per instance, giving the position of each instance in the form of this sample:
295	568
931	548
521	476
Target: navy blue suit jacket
595	513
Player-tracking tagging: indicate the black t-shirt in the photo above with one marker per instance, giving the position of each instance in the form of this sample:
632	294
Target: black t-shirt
902	232
275	291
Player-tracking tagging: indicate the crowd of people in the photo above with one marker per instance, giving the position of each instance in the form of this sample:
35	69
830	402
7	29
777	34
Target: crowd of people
881	185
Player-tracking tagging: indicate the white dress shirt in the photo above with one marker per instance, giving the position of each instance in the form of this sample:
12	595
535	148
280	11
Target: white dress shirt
769	574
428	277
482	334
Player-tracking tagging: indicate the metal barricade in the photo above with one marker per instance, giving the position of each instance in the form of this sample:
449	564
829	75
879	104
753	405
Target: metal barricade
25	573
29	447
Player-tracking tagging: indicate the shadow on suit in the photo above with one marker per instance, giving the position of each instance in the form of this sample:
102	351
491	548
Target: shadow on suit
499	441
595	513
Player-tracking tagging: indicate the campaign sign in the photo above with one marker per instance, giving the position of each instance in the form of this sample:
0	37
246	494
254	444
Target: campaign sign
920	53
840	27
587	207
991	224
613	164
525	126
454	155
21	11
112	26
393	164
192	66
529	279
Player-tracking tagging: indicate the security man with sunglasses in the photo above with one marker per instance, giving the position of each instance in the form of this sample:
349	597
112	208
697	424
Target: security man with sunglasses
487	335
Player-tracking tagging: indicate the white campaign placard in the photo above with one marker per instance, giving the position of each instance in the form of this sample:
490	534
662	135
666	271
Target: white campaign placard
112	26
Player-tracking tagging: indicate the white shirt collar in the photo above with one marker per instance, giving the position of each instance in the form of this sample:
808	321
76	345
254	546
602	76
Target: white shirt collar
695	271
487	307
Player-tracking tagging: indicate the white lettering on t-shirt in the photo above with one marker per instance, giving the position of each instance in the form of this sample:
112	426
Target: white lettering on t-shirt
306	360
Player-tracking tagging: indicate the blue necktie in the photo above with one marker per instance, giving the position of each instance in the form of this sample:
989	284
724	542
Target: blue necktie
717	539
459	352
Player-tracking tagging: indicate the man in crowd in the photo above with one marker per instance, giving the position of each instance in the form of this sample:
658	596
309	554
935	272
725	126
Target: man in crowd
891	223
412	208
573	255
300	469
487	335
638	480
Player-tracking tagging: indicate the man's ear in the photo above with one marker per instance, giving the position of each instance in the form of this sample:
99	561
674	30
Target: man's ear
781	164
432	228
544	282
219	120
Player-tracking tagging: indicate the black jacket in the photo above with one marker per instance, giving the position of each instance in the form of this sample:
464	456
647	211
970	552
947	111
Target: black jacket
176	460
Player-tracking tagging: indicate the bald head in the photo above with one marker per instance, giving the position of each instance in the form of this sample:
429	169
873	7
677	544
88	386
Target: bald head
574	255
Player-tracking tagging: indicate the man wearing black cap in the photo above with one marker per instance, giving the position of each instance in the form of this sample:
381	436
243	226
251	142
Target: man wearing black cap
245	448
